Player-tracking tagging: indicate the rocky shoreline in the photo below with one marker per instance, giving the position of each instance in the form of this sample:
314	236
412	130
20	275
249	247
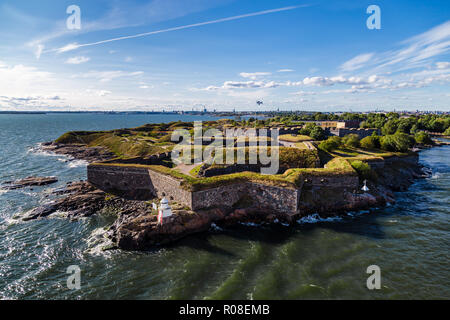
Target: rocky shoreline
29	182
136	227
78	152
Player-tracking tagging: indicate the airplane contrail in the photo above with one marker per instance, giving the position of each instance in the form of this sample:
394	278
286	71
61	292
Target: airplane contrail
74	46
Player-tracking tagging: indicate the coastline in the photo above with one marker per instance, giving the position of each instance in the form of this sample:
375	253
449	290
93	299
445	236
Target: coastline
137	230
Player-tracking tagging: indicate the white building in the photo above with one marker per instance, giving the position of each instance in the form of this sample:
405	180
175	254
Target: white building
164	211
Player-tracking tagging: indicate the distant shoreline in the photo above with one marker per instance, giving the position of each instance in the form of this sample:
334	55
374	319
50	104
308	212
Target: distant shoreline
184	113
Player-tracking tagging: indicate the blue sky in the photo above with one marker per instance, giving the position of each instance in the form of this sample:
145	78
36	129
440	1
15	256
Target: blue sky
312	55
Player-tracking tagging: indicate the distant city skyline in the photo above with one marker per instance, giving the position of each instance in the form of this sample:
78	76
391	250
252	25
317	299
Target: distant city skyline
224	54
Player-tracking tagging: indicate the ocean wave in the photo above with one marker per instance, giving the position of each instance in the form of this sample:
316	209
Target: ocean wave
78	163
249	224
37	150
97	241
315	218
215	227
357	213
71	161
436	176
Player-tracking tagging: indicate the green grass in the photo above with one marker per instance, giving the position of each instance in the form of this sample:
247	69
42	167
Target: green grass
194	172
364	170
301	145
120	142
364	154
292	138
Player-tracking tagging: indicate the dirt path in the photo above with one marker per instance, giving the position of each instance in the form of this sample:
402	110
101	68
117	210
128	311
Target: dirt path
186	169
309	145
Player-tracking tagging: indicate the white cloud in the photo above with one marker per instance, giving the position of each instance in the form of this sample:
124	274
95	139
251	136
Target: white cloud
357	62
317	81
305	93
14	80
69	47
372	81
74	46
77	60
443	65
39	50
100	93
285	70
254	75
414	52
107	76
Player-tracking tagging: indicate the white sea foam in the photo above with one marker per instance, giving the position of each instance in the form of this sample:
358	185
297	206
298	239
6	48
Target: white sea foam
97	241
215	227
315	218
249	224
357	213
39	151
11	221
437	175
71	161
78	163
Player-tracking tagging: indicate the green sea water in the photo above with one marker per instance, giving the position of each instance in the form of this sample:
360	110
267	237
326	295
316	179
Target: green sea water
316	259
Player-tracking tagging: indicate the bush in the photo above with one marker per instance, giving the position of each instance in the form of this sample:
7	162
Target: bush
423	138
364	170
330	144
447	132
389	127
400	142
351	140
306	130
387	143
318	134
372	142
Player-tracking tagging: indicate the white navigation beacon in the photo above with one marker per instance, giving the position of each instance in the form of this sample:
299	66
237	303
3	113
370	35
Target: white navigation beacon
365	188
164	209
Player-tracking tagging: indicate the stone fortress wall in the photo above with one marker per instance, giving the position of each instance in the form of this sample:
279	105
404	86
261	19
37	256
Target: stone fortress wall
137	183
141	183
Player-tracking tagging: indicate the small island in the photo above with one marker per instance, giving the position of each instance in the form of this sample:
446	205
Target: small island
326	167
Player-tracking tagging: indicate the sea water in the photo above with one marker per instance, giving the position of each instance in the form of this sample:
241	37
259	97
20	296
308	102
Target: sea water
316	259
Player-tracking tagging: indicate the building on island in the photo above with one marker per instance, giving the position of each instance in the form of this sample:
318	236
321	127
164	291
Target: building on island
362	133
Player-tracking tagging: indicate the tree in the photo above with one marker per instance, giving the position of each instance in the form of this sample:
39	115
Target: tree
423	138
318	133
389	127
447	132
404	125
388	143
400	142
330	144
351	140
306	131
404	141
372	142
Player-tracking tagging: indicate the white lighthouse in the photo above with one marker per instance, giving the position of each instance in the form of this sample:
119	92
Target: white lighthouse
365	188
164	211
